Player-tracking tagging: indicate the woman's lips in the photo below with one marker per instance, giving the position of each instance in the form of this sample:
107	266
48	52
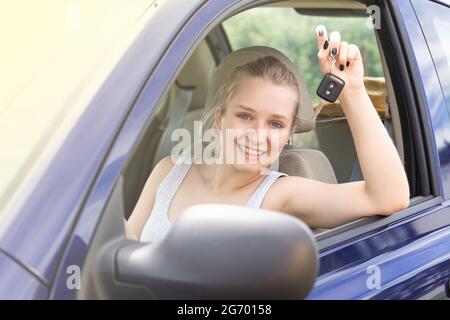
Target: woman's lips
251	152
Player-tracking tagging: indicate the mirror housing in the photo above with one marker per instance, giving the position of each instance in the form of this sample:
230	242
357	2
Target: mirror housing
217	251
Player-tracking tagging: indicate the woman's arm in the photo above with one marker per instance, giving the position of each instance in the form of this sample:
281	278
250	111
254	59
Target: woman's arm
385	179
144	205
385	187
384	190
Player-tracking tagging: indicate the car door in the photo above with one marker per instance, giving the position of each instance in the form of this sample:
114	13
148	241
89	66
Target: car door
405	258
64	96
18	281
163	55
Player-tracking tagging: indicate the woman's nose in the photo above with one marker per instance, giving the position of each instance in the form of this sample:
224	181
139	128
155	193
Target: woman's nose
259	126
258	135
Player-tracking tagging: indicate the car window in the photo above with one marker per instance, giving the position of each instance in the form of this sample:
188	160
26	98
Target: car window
51	50
434	20
293	34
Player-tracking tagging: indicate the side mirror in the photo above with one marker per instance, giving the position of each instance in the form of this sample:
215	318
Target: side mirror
216	252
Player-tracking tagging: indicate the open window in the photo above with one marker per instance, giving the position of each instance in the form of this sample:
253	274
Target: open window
289	27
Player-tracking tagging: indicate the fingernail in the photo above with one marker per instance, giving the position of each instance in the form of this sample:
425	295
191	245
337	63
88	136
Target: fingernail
334	51
326	44
347	64
320	32
341	67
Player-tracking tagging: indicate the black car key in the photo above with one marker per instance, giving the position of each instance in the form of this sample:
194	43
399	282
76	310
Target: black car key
331	86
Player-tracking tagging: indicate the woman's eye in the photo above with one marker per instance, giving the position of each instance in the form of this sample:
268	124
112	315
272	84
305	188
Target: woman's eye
245	116
276	124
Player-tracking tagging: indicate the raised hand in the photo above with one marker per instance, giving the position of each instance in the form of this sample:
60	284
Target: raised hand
348	64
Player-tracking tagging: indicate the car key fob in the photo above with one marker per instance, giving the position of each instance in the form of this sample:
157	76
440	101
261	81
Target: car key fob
330	87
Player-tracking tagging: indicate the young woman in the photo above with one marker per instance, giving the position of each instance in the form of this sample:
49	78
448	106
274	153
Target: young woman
263	95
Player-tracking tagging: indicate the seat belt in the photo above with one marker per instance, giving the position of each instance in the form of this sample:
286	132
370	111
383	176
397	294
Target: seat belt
180	98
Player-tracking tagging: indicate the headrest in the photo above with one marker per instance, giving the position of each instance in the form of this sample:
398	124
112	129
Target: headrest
196	75
242	56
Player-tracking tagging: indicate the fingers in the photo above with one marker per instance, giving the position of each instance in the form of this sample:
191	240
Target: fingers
344	53
324	48
335	40
343	56
353	54
321	35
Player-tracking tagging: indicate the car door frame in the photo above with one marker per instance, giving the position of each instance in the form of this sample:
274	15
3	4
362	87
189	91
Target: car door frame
182	38
385	248
38	221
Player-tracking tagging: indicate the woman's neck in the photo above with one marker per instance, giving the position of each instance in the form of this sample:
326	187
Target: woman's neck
226	178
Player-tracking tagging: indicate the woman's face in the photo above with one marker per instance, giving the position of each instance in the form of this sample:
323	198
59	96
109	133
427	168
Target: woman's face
257	123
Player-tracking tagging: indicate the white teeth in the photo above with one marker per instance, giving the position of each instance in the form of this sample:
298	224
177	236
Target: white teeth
251	151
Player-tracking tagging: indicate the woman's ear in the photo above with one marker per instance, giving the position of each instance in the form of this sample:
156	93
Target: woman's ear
290	141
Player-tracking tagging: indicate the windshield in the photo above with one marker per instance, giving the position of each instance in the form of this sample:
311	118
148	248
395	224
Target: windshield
50	51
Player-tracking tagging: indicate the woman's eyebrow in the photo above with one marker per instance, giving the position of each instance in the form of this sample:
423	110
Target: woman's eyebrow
245	107
275	115
279	116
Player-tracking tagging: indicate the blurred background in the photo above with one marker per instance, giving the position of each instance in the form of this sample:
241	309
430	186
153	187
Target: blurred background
294	36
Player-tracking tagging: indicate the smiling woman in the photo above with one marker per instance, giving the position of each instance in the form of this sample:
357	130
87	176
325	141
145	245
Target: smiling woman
85	135
264	81
271	118
249	87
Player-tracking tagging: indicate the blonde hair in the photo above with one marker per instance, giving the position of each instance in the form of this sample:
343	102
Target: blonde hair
267	67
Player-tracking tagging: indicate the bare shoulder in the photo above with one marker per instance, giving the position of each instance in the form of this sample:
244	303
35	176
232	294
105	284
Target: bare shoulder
144	205
157	175
161	170
282	190
285	189
294	184
285	183
288	181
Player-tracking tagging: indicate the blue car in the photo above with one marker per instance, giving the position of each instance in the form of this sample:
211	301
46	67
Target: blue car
91	92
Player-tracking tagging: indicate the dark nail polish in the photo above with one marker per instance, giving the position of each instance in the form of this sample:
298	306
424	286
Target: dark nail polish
320	32
334	51
326	44
347	64
341	67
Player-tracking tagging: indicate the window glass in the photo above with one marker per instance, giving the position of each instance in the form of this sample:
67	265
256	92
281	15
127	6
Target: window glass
293	34
434	20
51	49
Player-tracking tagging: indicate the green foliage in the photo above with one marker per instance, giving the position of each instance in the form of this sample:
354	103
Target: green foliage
293	34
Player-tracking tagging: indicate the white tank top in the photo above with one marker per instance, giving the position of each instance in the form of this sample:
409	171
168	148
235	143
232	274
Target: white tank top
158	224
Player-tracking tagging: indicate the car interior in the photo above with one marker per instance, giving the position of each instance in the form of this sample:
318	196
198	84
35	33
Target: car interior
325	152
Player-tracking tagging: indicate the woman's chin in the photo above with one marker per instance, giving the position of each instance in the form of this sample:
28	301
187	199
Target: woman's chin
252	164
243	161
249	167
